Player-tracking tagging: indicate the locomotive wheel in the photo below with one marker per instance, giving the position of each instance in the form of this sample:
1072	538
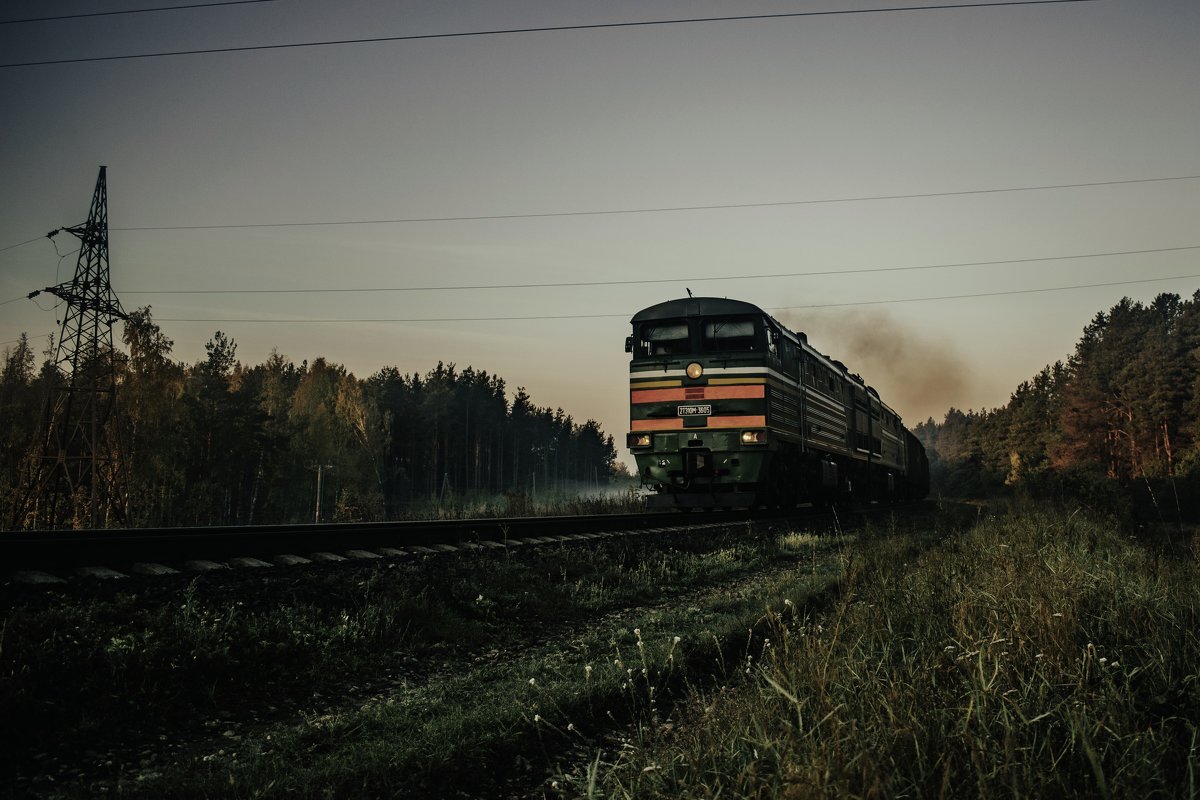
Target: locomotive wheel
780	486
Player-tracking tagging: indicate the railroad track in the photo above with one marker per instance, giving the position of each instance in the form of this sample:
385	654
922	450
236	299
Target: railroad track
50	557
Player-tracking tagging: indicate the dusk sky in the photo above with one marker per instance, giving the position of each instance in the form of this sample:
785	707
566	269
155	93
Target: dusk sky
805	137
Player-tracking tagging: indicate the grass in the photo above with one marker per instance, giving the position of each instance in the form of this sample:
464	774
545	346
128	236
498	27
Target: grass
581	500
94	659
1041	655
475	729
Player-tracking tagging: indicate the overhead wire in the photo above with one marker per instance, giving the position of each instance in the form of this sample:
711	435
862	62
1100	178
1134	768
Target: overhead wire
648	210
682	279
658	209
22	244
131	11
541	29
990	294
294	320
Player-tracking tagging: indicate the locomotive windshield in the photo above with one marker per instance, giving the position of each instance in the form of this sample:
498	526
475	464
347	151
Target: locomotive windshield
723	334
667	337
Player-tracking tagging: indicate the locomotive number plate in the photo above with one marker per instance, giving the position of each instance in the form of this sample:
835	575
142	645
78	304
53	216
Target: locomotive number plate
694	411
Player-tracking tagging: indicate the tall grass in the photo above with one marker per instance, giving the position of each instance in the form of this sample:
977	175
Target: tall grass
84	666
1041	655
579	501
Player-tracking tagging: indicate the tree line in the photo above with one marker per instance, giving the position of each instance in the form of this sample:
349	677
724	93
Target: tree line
1124	405
221	442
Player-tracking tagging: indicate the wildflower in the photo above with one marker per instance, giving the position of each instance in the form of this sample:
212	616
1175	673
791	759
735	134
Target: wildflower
1103	660
1116	664
587	671
637	632
676	640
537	718
1056	614
533	681
789	603
571	726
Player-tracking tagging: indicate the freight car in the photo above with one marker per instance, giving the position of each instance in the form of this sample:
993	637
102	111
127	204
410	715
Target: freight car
729	408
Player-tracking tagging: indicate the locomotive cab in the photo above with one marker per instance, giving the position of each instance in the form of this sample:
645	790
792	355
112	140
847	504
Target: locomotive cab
698	411
728	408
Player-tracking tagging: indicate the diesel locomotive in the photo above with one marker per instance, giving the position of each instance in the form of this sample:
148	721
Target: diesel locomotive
729	408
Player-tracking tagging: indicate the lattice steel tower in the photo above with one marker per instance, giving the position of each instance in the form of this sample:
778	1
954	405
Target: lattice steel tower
76	479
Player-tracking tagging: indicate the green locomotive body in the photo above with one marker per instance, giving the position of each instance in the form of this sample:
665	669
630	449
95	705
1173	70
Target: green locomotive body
729	408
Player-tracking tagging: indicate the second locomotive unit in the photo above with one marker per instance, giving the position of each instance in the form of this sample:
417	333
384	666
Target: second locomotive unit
729	408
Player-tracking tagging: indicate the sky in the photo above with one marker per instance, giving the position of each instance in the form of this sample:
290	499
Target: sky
839	170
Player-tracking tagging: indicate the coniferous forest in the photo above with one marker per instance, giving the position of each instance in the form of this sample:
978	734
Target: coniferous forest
220	442
1120	417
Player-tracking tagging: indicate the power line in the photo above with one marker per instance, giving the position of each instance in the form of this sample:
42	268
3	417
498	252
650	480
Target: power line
989	294
543	29
652	210
295	320
21	244
685	279
656	210
131	11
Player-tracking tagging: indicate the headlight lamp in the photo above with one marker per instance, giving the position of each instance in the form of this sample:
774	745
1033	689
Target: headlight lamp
638	440
694	370
754	437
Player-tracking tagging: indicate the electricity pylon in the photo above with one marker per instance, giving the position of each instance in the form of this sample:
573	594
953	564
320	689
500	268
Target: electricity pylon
75	481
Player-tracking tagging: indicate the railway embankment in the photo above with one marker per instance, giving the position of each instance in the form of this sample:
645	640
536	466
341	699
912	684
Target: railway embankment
1045	652
157	686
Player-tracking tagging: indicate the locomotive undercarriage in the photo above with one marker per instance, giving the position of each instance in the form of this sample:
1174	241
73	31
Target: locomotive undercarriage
693	478
696	477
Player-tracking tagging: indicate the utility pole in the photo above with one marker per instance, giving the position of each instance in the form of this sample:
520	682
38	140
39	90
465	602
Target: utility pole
320	470
75	479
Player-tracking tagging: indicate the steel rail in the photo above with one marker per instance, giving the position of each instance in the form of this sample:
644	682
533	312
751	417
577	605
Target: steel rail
66	550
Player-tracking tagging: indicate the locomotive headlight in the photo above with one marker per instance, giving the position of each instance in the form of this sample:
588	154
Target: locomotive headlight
694	370
638	440
754	437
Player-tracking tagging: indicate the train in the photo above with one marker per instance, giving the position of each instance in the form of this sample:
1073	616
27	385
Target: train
730	409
